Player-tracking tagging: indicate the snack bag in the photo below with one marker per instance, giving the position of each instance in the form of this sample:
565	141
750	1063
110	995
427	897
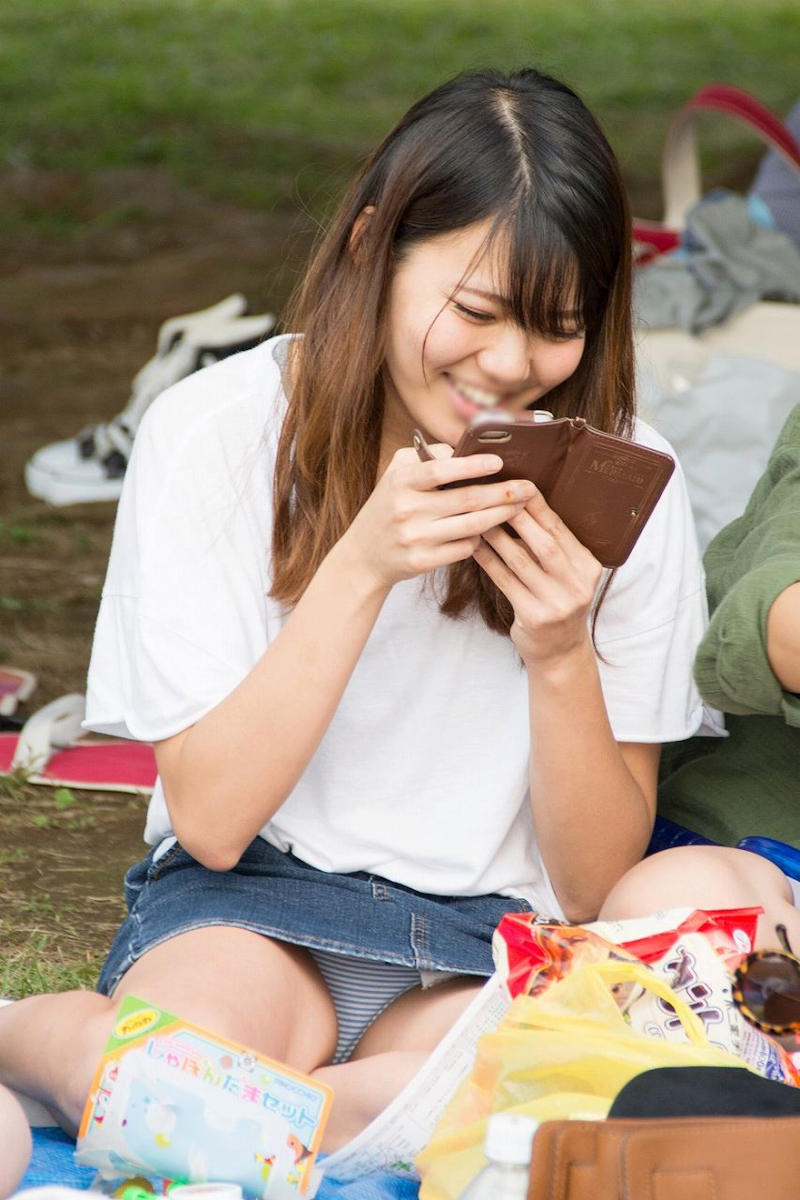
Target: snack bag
730	932
694	951
530	954
173	1100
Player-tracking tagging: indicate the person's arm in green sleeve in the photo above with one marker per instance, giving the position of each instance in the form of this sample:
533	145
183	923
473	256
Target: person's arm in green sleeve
783	638
749	659
734	665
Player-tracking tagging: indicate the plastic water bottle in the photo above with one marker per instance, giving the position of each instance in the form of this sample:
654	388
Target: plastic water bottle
508	1146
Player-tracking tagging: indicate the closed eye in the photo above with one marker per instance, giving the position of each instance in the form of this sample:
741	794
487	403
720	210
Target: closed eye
472	314
567	335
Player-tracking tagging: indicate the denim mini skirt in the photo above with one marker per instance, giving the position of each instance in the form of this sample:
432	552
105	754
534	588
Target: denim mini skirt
278	895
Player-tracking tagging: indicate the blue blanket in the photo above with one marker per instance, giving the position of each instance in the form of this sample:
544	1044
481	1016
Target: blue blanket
54	1162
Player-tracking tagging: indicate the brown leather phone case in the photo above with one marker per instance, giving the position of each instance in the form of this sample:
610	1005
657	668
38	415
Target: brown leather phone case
603	487
670	1158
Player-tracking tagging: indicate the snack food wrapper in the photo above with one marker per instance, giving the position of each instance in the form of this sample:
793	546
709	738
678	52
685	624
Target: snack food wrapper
172	1100
694	951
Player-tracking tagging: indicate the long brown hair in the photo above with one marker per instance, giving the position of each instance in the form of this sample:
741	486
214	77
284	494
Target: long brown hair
522	151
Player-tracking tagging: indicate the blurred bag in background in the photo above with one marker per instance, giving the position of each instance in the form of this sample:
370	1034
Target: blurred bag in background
717	302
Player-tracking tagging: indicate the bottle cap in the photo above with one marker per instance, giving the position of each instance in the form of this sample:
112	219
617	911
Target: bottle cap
509	1138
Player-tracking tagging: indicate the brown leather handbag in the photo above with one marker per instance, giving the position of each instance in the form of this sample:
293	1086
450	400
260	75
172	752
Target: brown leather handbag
670	1158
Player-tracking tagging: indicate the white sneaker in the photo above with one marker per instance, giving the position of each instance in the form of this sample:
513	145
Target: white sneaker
91	465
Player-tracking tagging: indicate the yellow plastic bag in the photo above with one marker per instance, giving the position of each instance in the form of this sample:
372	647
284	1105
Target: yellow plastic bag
564	1053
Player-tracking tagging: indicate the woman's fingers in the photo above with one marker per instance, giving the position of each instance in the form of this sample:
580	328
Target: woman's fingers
465	510
443	468
550	539
477	523
430	524
520	559
545	550
473	497
549	578
504	576
542	524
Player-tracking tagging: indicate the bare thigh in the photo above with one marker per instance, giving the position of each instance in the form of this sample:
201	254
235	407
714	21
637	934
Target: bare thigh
266	994
244	986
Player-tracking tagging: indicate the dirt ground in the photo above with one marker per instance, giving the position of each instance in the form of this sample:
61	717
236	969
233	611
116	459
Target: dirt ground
78	316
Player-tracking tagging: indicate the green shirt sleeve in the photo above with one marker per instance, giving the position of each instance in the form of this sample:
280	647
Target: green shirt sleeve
731	668
748	565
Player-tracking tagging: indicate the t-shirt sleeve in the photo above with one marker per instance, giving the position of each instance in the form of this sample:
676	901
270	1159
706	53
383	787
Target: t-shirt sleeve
650	623
732	668
750	562
185	612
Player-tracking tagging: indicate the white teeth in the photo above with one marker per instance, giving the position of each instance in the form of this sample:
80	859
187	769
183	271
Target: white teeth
479	396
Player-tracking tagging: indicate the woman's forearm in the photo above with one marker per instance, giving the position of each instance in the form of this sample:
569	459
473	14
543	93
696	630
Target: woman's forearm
593	815
225	776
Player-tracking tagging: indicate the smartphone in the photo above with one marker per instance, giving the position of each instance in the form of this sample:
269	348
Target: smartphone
602	486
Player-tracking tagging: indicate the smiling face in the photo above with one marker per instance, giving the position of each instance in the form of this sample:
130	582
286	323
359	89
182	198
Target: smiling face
453	348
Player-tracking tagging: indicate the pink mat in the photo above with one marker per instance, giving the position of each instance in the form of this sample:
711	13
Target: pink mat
98	765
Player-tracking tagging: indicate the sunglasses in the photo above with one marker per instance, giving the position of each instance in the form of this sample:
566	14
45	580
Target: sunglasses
766	988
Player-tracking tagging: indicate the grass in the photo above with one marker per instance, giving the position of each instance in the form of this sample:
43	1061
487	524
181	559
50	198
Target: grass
61	864
46	964
17	534
267	102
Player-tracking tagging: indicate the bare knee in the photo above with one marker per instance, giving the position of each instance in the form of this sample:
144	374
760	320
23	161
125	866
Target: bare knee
264	994
697	877
15	1143
71	1086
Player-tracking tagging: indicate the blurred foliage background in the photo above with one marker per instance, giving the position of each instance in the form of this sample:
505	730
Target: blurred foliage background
271	103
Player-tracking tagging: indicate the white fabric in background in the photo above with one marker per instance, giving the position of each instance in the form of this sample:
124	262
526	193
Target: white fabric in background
722	412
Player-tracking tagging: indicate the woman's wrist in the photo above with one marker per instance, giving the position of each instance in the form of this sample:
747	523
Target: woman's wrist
564	667
346	563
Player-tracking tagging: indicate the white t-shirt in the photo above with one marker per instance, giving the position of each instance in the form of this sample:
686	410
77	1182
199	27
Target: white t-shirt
422	775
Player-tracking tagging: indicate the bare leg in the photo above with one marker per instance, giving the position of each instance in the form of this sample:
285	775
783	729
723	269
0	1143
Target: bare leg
265	994
707	877
15	1143
364	1088
389	1054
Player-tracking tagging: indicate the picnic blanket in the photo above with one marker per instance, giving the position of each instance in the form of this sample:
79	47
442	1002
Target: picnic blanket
53	1161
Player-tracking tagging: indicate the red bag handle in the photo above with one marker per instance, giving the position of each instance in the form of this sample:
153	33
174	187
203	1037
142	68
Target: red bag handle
680	168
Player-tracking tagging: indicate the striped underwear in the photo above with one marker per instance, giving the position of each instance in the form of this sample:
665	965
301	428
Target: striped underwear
362	989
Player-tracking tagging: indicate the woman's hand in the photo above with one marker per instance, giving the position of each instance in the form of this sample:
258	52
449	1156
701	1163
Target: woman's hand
408	526
549	577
